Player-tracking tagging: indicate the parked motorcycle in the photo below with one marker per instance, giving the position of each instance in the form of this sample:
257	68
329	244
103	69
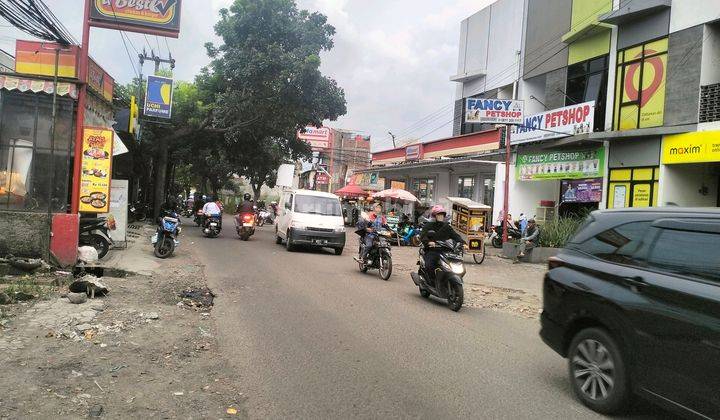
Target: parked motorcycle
138	212
379	257
212	226
410	235
245	225
447	281
165	237
496	237
94	233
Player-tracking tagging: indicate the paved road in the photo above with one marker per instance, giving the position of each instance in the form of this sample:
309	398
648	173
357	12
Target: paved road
309	336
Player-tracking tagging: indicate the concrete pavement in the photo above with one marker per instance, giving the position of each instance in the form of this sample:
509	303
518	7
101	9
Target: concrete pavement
309	336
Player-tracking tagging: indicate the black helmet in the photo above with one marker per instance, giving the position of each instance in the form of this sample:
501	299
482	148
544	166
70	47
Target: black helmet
246	196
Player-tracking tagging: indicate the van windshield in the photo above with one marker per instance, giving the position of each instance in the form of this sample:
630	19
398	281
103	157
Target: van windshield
311	204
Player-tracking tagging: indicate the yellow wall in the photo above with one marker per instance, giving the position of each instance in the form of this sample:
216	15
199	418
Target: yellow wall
583	13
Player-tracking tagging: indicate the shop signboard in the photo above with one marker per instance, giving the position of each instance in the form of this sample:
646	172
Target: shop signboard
562	122
156	17
581	191
318	138
100	81
696	147
560	165
322	179
413	152
158	97
494	111
94	180
38	57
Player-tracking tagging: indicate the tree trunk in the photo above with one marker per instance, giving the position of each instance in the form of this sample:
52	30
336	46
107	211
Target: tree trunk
256	187
160	175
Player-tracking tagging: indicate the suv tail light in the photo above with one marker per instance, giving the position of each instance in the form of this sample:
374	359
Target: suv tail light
555	262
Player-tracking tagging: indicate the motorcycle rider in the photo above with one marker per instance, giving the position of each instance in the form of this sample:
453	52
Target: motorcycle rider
246	206
212	209
443	231
371	226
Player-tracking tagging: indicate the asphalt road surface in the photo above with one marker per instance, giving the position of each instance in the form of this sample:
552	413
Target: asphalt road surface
309	336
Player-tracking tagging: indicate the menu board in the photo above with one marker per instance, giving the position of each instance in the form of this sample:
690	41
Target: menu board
96	170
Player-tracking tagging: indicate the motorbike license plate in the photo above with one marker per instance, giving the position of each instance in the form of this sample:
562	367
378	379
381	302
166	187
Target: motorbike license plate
213	224
320	241
132	209
154	239
247	225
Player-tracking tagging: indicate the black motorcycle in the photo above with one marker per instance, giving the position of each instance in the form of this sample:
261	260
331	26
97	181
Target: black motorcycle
497	237
447	281
94	233
212	226
138	212
379	257
165	238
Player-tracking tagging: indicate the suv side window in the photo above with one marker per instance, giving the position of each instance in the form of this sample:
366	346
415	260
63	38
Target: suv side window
689	253
617	244
288	201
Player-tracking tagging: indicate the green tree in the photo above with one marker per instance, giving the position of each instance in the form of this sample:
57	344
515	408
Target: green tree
267	71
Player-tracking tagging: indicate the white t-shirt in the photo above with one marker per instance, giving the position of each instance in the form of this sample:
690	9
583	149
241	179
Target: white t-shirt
210	208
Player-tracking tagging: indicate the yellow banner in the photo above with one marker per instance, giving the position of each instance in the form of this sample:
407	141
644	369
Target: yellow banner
96	170
701	146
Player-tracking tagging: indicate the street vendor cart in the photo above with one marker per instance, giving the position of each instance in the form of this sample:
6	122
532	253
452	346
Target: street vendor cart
468	219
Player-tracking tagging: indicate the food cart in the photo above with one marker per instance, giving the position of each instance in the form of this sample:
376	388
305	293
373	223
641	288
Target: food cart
468	219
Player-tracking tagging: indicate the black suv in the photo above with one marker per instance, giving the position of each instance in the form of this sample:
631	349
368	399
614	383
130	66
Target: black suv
633	303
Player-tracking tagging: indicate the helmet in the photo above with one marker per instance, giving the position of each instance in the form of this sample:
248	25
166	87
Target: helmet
437	209
246	196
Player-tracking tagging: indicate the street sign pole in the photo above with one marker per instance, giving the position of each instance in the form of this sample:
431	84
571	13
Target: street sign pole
506	193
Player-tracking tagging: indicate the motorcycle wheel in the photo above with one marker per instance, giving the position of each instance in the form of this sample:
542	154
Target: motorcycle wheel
165	247
497	242
385	270
424	293
244	236
101	245
480	257
363	267
415	240
455	298
261	223
140	217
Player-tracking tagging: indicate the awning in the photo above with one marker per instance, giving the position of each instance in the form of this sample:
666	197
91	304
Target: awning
37	85
484	162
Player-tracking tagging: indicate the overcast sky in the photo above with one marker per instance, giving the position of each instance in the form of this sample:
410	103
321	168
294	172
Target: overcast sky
392	57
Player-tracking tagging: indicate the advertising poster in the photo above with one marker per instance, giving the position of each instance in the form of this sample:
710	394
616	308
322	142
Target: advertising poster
96	170
157	17
640	86
158	97
581	191
494	111
695	147
119	209
562	122
560	165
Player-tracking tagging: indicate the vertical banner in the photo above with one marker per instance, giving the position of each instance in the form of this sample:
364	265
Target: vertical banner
96	170
158	97
118	216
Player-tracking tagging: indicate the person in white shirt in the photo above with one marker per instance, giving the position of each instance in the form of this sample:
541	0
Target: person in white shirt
212	209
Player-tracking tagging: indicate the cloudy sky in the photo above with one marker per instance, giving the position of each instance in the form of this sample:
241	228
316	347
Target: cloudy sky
392	57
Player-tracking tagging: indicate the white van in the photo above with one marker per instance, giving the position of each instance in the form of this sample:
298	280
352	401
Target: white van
310	218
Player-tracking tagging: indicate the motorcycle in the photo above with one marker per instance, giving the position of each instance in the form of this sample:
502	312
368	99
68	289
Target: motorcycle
245	225
94	233
447	281
496	237
410	235
199	218
264	217
165	237
212	226
379	257
138	212
186	212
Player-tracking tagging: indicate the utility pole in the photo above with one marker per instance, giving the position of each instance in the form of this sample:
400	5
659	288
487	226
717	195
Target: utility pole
393	139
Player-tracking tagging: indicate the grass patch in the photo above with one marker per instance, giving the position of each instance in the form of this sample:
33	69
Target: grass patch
26	286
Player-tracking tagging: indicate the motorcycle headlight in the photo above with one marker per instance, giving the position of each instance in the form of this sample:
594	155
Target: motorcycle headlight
457	268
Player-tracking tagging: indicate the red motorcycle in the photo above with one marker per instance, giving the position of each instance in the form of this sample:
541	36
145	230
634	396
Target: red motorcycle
245	225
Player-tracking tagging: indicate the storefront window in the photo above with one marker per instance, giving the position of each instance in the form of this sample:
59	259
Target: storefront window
424	190
466	187
587	81
489	191
633	187
34	176
640	86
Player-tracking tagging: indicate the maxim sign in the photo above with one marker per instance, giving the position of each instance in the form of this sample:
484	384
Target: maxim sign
157	17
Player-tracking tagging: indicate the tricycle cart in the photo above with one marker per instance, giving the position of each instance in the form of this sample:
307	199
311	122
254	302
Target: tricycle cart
468	219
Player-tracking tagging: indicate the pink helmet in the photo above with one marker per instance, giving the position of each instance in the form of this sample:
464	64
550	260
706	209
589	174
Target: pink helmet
437	209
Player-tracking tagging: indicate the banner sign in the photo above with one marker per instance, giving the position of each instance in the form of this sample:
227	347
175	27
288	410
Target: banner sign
322	179
696	147
100	81
158	97
156	17
560	165
494	111
96	170
318	138
35	85
584	191
561	122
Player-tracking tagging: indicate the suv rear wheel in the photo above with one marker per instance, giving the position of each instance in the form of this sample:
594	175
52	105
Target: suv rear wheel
597	371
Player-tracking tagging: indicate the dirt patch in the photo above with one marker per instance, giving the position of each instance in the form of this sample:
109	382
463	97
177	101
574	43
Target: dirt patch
514	301
139	352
